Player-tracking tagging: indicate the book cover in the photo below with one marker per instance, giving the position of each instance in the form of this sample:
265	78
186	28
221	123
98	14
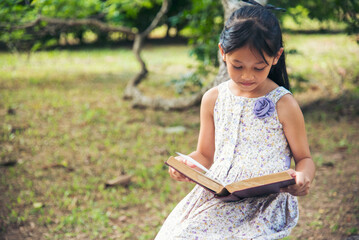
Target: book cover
253	187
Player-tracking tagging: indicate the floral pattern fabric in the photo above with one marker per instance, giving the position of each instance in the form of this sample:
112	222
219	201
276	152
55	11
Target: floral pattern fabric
250	142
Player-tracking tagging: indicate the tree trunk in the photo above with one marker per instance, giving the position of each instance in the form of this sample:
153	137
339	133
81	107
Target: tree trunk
141	101
131	91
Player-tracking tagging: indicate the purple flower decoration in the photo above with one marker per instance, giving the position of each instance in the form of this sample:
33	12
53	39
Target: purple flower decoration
263	107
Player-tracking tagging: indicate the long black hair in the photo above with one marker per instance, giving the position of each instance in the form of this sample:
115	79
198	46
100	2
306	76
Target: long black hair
258	28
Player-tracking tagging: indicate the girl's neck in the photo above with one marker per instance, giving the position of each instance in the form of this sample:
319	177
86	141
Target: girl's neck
259	91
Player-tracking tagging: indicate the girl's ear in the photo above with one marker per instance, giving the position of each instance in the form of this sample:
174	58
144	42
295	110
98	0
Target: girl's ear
276	58
222	52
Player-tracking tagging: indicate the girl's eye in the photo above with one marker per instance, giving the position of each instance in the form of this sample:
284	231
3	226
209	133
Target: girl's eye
237	67
259	69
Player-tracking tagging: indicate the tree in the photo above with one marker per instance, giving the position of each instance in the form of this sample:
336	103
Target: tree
140	100
12	14
51	24
337	10
33	22
349	12
36	24
21	26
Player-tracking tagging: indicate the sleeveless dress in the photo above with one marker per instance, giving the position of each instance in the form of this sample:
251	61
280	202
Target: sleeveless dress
247	144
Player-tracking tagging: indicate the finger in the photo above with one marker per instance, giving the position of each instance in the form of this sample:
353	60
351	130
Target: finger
302	193
287	189
188	179
178	176
292	172
299	192
293	190
303	187
173	173
290	189
179	158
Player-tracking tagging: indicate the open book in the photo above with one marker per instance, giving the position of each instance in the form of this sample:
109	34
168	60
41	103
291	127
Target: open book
252	187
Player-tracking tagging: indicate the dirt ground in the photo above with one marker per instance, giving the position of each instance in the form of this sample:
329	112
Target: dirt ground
331	210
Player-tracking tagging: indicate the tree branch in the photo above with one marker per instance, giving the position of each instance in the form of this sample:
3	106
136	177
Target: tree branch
182	103
131	90
141	101
73	23
157	19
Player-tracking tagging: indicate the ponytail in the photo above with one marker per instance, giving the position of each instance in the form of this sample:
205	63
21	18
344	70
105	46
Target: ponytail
278	73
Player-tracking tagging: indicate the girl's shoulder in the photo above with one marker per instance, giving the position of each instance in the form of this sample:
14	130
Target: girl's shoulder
288	108
209	99
211	95
287	102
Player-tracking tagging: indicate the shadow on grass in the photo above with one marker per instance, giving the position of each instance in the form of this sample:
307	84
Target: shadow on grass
168	41
346	104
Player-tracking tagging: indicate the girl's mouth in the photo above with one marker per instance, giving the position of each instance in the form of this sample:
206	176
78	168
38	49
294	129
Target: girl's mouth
246	83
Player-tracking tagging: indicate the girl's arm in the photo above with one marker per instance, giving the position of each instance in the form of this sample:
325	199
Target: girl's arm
291	117
205	147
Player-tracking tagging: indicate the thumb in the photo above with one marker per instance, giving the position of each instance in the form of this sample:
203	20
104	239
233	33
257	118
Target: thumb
188	163
292	173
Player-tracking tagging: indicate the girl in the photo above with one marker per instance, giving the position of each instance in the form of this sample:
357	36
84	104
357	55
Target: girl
250	126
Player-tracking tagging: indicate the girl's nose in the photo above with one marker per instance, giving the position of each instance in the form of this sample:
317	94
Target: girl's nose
247	75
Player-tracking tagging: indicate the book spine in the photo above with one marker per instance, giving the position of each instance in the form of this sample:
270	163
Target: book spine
257	191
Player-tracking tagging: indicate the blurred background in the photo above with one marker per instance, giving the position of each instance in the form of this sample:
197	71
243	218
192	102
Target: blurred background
85	129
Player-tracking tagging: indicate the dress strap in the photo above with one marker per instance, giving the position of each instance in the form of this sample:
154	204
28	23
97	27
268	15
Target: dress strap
277	93
222	87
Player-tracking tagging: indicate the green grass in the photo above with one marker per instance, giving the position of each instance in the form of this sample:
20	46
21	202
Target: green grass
69	111
325	62
70	108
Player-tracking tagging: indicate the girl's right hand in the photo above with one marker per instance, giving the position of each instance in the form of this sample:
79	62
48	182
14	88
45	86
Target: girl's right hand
177	175
302	184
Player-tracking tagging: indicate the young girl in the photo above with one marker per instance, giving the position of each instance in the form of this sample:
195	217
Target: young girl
250	126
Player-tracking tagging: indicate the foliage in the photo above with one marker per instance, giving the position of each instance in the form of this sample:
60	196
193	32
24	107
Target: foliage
67	9
13	13
205	24
206	21
349	10
337	10
136	14
187	80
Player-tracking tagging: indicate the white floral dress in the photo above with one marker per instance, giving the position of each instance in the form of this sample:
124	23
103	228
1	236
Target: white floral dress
249	142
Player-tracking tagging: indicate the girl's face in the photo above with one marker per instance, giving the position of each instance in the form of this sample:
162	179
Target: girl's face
248	69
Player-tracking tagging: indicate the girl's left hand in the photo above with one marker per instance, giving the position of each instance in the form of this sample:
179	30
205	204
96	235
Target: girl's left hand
177	175
302	184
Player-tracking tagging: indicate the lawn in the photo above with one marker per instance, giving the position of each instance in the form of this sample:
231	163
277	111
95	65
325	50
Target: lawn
66	131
